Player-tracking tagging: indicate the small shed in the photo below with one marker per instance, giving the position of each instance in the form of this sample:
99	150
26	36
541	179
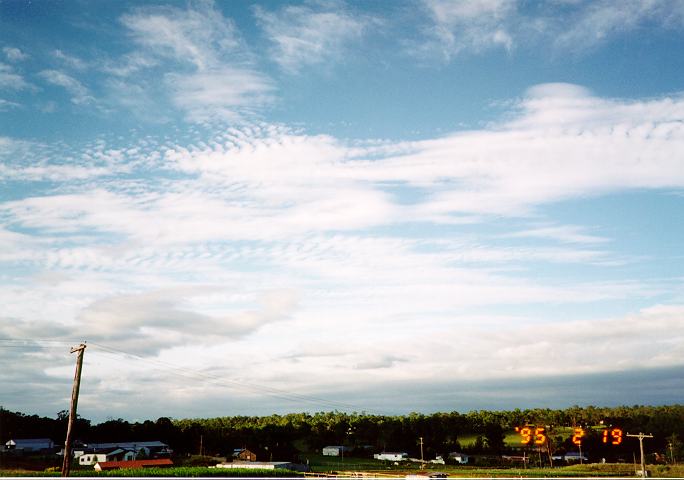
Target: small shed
335	450
244	455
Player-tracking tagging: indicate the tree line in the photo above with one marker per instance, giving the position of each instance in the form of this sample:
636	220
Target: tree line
285	437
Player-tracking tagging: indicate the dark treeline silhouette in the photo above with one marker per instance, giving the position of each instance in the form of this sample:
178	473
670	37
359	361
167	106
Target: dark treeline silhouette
284	437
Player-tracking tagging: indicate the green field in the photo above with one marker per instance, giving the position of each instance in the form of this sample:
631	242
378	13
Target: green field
376	467
160	472
325	464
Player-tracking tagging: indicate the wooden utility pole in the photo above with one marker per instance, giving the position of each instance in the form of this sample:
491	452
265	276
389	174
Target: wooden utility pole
641	437
66	465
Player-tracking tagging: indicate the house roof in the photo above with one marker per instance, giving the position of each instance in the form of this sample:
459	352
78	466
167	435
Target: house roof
134	445
28	442
158	462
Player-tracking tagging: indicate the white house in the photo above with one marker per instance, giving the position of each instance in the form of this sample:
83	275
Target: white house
106	455
335	450
147	448
392	456
29	444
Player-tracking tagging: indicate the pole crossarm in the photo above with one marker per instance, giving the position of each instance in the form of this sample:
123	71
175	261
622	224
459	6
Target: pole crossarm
641	437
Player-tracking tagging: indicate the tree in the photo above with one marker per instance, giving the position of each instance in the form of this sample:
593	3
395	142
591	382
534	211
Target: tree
494	437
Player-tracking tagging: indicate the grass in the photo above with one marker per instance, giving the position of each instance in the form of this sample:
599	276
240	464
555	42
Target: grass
324	463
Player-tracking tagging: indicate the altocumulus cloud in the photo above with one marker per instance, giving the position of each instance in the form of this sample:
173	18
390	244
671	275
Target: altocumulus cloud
260	237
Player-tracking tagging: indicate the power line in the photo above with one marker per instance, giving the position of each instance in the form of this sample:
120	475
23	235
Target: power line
270	391
27	343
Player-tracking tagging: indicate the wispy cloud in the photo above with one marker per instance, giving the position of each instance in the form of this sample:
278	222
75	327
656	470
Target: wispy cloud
562	233
201	36
80	95
69	60
214	77
468	26
14	54
472	27
11	80
311	34
597	22
226	94
6	104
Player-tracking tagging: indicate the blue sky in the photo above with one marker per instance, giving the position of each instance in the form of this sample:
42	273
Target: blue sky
287	206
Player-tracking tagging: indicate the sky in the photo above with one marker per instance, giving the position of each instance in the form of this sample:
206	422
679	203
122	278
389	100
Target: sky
246	208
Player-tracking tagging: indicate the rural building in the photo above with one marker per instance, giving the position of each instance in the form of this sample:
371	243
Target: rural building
335	450
458	457
244	455
92	456
571	457
148	449
156	462
392	456
26	445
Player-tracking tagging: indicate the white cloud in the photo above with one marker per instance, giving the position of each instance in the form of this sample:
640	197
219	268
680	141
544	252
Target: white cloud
600	21
210	72
14	54
266	180
7	105
225	94
445	351
130	64
69	60
80	95
11	80
562	233
304	35
201	36
467	26
145	323
560	146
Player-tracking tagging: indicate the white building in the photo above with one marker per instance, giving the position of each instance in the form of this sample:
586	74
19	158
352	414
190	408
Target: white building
147	448
458	457
335	450
392	456
107	455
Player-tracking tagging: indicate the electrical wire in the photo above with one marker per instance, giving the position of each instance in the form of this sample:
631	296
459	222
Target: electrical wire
270	391
29	343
